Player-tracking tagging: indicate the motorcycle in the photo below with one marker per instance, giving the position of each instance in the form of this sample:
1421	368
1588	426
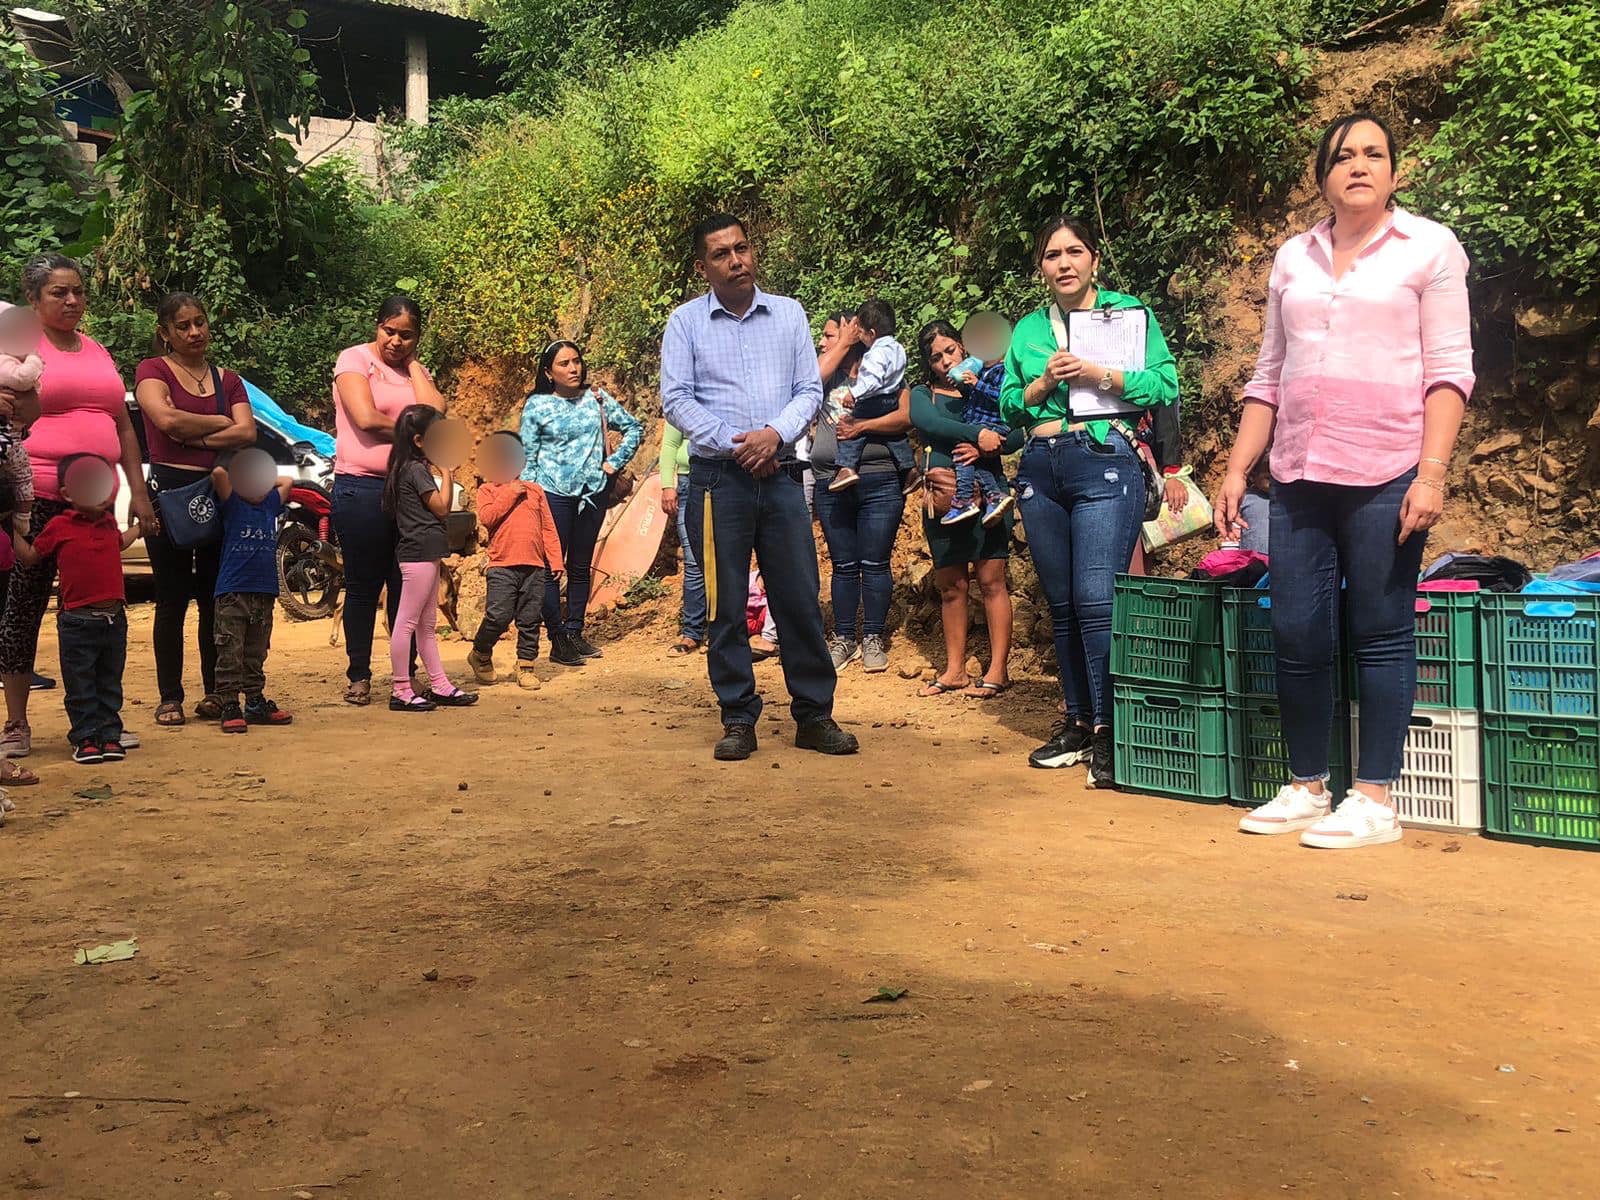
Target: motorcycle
310	562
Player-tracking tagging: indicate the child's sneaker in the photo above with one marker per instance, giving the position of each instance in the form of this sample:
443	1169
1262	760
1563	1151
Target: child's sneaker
996	510
482	666
845	478
525	676
913	482
957	515
233	718
88	751
113	751
262	711
17	740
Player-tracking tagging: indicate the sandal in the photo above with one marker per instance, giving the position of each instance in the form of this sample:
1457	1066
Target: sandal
11	775
169	713
359	692
684	645
940	688
209	709
984	690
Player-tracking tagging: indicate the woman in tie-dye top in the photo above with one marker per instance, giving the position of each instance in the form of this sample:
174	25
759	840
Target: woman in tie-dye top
1364	375
564	424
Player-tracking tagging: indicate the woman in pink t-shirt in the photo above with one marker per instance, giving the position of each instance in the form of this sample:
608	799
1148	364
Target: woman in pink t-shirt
192	410
373	383
83	409
1364	375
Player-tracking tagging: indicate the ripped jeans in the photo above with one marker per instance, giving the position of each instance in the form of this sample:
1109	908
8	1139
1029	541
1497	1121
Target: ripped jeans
1081	503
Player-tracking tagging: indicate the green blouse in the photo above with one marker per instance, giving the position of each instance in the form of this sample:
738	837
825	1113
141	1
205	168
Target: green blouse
1033	341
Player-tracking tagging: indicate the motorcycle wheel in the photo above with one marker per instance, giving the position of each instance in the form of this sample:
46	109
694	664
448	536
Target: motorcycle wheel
308	587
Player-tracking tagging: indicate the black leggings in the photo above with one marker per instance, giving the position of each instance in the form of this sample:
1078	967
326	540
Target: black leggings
181	575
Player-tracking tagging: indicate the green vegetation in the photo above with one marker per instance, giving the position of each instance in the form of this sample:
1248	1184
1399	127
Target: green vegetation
38	206
1516	170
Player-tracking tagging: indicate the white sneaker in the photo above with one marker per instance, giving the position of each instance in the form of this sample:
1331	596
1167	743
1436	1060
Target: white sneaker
1294	808
1359	821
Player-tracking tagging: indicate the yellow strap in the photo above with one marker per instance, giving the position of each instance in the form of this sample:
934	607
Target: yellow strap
708	559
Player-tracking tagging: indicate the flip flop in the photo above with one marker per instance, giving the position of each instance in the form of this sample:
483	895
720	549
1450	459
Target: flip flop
940	688
984	690
170	715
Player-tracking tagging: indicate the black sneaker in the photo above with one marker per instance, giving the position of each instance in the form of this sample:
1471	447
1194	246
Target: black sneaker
1100	773
261	711
564	651
585	647
738	743
88	751
233	718
41	683
1069	744
113	751
825	737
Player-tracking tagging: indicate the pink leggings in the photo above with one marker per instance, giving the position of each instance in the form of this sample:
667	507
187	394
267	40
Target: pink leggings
418	617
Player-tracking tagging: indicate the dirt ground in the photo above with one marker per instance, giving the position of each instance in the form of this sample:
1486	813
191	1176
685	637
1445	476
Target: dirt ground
548	947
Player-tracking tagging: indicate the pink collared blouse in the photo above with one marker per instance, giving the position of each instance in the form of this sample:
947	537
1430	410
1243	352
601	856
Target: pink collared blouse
1347	362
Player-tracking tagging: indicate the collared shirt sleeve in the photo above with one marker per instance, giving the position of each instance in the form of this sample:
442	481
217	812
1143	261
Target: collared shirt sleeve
1447	323
671	439
697	423
632	432
883	366
1263	385
531	436
806	391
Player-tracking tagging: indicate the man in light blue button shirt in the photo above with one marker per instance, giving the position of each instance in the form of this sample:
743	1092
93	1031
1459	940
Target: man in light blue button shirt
739	378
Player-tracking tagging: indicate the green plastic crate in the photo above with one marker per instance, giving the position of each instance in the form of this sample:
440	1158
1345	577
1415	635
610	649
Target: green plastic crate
1171	743
1541	655
1249	655
1258	757
1167	631
1542	779
1447	650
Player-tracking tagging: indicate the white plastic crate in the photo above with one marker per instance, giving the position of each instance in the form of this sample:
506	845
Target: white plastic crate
1441	775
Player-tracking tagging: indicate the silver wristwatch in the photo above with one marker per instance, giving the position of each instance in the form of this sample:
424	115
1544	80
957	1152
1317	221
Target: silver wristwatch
1105	382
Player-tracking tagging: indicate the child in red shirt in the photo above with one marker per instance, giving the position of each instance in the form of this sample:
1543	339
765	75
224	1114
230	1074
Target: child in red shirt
93	622
523	546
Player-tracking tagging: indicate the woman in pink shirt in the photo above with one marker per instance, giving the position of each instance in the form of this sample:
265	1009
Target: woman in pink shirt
1364	375
83	409
373	383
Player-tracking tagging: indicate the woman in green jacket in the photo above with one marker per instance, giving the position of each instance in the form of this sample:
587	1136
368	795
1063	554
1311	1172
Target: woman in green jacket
936	411
1079	485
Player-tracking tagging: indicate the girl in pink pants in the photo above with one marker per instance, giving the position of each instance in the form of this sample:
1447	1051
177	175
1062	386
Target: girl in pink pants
419	504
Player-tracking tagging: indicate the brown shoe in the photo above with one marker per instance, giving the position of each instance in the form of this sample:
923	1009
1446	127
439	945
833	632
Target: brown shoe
525	676
482	666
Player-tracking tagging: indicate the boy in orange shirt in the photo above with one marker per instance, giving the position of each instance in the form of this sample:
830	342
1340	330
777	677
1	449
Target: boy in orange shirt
523	545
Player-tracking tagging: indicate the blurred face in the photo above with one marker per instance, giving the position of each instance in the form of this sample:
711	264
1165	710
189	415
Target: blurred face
1360	175
501	458
397	340
729	264
566	370
252	474
89	485
1068	267
830	335
20	331
61	302
945	353
447	443
189	331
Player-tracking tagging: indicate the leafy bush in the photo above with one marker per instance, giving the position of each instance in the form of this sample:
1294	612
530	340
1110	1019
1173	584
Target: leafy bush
1516	170
900	148
39	209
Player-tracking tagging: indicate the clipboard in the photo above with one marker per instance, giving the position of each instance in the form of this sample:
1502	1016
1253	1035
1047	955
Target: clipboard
1113	338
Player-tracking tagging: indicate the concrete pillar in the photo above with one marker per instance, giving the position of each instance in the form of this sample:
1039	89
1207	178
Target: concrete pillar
416	78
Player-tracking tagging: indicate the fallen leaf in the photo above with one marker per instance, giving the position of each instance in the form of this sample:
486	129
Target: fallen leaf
885	996
978	1085
100	791
111	952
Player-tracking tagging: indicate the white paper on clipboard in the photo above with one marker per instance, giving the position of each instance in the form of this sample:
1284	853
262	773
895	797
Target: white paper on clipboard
1113	338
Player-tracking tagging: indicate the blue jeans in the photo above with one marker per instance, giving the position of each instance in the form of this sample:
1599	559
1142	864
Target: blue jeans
692	624
1320	533
766	517
578	527
860	526
94	650
986	478
1081	504
366	539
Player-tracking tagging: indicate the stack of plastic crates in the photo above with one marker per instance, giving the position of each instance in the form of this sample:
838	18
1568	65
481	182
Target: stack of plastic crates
1441	772
1541	699
1166	664
1258	758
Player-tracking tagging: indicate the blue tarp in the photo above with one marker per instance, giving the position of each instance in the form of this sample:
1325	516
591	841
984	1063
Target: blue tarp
269	412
